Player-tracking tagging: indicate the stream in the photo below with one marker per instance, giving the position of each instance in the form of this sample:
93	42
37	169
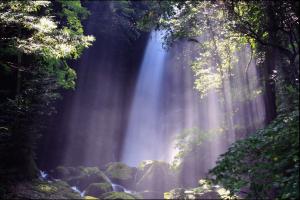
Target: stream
116	187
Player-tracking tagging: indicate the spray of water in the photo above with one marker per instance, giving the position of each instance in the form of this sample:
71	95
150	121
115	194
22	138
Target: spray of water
143	138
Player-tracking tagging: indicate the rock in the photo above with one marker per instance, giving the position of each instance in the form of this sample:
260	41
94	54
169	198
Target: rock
96	189
118	195
145	164
152	195
60	172
90	197
84	180
43	190
177	193
205	190
155	176
209	195
80	177
118	188
121	174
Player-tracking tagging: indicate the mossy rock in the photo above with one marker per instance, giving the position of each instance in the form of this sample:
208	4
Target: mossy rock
42	190
121	173
205	190
156	176
96	189
145	164
152	195
209	195
118	195
90	197
80	177
177	193
84	181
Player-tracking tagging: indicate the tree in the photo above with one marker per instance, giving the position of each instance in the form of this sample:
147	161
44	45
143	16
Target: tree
265	164
273	26
37	39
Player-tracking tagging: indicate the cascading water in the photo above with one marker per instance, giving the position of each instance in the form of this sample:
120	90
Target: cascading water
75	189
102	123
143	138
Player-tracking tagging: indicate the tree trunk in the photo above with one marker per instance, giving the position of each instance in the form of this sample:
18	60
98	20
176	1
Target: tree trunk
270	62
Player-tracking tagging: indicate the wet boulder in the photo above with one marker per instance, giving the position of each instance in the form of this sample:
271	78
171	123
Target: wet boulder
62	172
155	176
205	190
209	195
80	177
118	195
96	189
38	189
121	173
177	193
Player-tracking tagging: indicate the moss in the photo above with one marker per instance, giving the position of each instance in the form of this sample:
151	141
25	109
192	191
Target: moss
41	190
156	176
177	193
121	174
144	164
117	195
96	189
90	197
206	190
80	176
46	188
89	170
119	170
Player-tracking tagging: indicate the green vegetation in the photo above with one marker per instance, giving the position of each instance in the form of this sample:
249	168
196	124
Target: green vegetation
40	190
81	177
189	140
118	170
96	189
155	177
37	39
117	195
205	190
267	162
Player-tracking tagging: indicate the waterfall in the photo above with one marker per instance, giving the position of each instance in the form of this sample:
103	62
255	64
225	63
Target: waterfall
75	189
143	140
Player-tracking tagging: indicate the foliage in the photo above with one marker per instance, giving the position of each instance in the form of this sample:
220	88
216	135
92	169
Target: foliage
265	165
37	39
222	29
205	190
27	32
253	20
189	140
32	106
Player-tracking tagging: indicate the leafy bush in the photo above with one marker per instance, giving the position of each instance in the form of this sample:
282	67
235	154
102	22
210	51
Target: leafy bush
265	165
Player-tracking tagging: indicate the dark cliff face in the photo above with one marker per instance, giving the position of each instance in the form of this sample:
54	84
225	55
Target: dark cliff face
91	120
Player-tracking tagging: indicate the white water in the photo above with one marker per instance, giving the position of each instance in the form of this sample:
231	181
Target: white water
143	139
43	175
75	189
